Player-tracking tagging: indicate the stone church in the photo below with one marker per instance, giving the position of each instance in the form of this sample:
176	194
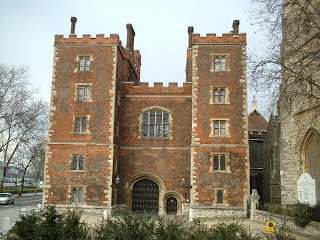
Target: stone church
116	142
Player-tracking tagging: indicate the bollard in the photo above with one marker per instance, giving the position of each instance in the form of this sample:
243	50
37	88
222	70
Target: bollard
105	214
190	214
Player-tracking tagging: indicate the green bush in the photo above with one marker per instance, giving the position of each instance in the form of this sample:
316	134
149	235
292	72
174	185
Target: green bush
49	224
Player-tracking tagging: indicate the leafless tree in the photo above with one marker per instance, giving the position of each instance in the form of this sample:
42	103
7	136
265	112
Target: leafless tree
23	117
289	64
31	155
37	167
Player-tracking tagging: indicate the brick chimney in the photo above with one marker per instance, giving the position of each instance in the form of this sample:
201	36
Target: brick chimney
130	37
190	31
235	26
73	24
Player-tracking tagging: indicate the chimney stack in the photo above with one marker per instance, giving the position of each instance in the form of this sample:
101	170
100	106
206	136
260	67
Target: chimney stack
73	24
190	31
235	27
130	37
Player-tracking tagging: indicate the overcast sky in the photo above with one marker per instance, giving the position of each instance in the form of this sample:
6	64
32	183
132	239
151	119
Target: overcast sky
28	27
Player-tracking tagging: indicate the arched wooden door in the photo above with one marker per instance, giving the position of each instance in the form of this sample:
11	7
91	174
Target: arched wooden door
145	196
172	205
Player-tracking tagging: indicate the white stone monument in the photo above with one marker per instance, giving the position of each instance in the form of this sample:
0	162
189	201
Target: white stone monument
307	190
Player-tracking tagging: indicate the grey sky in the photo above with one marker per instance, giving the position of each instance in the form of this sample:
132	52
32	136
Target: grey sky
28	28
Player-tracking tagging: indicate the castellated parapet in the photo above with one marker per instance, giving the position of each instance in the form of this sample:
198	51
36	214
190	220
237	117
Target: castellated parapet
87	39
157	89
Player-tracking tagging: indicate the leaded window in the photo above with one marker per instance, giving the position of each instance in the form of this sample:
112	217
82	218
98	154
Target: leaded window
80	124
77	195
77	162
84	64
155	123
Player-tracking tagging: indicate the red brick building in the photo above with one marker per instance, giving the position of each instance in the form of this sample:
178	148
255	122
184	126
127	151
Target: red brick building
114	141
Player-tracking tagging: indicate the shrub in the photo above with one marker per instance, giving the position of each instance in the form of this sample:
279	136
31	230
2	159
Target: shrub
302	214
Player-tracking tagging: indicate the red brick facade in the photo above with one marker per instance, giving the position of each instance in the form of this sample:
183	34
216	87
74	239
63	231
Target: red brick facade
109	124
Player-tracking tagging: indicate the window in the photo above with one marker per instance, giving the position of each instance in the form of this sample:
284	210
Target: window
220	62
155	123
83	92
219	163
80	124
220	196
219	95
219	128
77	162
77	195
84	64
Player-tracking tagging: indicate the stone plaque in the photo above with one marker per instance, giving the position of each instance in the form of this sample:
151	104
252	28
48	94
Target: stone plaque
307	189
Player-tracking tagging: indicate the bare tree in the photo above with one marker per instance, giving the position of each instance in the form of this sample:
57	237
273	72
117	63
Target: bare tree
37	167
23	118
289	63
31	155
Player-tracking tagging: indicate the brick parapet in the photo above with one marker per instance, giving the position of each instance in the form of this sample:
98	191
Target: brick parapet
227	38
87	39
128	88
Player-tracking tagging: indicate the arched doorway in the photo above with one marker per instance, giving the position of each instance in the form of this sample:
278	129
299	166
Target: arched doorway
312	159
172	205
145	196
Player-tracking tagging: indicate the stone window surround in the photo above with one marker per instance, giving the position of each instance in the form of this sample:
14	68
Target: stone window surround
227	93
89	93
77	186
212	120
77	69
71	161
227	155
225	202
155	108
227	58
74	124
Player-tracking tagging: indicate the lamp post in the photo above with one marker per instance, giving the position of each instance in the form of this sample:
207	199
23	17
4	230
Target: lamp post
114	185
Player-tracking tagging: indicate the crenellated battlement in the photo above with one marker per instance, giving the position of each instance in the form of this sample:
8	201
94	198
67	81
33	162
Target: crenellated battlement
157	89
87	39
255	134
213	38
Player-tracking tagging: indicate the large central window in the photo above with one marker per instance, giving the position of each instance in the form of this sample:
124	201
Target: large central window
155	123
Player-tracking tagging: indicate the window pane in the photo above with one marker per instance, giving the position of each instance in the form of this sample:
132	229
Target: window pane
220	196
223	63
78	124
166	130
82	63
216	94
151	130
80	195
222	163
159	130
74	162
216	163
74	195
145	130
86	93
81	159
159	116
152	116
80	93
216	128
216	63
145	117
166	118
87	64
222	95
84	125
223	128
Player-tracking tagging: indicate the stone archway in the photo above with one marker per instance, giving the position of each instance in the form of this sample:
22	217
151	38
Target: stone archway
145	196
153	178
171	195
311	157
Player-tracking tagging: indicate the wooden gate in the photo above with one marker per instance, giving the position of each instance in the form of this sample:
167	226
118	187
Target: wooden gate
145	196
171	205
